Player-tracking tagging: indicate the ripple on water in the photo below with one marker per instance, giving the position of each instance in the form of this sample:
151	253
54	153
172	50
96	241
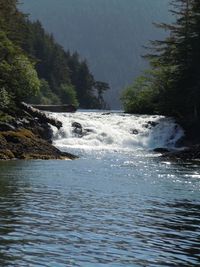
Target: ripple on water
85	213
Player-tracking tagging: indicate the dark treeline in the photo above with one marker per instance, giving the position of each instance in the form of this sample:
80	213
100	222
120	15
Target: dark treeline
34	68
109	33
172	85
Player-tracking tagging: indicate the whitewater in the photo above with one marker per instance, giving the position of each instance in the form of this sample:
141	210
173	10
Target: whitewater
116	131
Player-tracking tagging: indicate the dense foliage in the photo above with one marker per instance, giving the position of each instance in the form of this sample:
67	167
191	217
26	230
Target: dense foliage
36	69
172	86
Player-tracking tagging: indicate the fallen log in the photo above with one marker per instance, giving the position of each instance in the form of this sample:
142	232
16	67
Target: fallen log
55	108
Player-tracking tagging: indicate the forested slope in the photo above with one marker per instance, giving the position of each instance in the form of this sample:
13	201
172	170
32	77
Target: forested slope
35	68
108	33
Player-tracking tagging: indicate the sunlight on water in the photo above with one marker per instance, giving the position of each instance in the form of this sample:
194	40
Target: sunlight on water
111	208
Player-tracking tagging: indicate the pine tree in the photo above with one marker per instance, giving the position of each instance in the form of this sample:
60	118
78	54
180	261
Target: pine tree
175	62
173	59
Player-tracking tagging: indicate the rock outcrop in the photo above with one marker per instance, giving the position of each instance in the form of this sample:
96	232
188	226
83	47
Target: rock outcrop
28	135
24	144
190	153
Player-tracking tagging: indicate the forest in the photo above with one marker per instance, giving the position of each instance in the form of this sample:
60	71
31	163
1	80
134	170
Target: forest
172	84
34	68
106	32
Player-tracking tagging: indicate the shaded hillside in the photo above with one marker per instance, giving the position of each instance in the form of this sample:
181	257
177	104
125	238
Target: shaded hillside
109	34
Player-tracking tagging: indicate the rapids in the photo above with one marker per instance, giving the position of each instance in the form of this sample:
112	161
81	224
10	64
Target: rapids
116	131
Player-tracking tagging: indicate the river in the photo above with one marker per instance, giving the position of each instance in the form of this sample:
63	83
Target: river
118	205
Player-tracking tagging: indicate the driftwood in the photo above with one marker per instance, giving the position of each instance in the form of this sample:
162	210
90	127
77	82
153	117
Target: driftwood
43	118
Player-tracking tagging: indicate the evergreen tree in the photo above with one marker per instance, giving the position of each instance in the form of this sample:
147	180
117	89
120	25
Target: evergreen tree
101	87
175	66
59	68
28	52
17	74
68	95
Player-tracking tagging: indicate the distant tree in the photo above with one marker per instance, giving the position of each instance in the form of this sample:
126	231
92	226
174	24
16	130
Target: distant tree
83	81
45	95
28	52
50	57
12	21
101	88
68	95
58	67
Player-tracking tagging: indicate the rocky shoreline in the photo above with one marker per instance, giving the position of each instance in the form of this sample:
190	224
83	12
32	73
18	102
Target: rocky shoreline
191	153
27	134
186	153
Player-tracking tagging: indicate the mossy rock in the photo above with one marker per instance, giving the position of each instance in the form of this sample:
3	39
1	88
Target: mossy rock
23	144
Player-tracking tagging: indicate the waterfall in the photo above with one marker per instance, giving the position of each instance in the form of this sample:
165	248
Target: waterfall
115	131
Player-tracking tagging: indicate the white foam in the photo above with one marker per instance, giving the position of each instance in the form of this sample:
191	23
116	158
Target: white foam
116	131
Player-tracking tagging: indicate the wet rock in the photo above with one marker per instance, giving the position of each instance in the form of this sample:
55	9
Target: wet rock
28	136
161	150
24	144
18	124
87	131
106	113
44	131
150	124
77	125
189	153
6	127
134	131
42	117
77	129
40	129
153	123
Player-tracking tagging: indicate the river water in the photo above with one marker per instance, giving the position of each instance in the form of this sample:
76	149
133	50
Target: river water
119	204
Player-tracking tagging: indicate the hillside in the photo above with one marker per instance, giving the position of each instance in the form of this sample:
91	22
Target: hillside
109	34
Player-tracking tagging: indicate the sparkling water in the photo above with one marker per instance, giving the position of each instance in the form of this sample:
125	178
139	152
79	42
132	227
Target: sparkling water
118	205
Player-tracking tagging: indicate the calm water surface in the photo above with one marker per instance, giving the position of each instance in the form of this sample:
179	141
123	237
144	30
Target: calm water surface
105	209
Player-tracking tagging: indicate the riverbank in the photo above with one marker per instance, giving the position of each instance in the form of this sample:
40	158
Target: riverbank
25	133
188	154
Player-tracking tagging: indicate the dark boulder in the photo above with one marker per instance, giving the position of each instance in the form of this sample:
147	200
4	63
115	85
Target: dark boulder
77	125
77	129
189	153
150	124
